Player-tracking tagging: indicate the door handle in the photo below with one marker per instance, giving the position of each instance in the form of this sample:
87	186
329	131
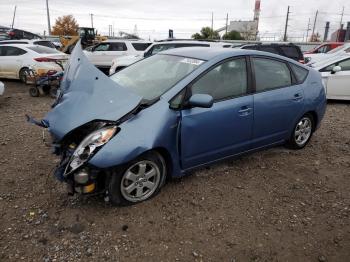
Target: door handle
244	111
297	97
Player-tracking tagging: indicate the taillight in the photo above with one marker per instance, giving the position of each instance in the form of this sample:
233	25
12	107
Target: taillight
44	59
11	33
302	61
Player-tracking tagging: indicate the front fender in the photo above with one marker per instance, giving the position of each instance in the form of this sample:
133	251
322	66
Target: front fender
154	127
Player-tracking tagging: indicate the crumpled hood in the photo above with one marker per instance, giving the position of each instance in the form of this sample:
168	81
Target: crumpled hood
87	95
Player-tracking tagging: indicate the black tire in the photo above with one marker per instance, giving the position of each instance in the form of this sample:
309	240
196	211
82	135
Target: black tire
22	75
115	194
293	142
34	92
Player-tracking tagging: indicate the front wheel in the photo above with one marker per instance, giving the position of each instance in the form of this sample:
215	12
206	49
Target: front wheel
138	180
302	132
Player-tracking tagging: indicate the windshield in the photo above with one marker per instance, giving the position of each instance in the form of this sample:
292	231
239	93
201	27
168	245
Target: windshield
43	50
152	77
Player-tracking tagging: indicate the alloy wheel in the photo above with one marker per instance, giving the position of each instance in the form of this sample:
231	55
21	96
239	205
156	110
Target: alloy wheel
140	181
303	131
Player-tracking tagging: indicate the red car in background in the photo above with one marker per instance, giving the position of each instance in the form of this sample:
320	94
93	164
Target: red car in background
324	48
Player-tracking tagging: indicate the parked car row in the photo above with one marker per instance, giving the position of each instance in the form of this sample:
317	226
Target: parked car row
155	48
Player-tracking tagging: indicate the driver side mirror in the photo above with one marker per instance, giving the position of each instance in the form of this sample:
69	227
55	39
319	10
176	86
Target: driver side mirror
336	69
201	100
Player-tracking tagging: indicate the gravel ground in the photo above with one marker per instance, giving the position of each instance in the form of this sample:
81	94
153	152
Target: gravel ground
275	205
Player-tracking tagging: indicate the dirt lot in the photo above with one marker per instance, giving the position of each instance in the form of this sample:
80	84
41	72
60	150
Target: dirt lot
276	205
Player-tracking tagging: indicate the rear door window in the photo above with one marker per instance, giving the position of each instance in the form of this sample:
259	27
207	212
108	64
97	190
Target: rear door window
117	47
12	51
141	46
271	74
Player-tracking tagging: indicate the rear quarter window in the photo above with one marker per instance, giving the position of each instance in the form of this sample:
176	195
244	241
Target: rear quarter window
291	52
300	73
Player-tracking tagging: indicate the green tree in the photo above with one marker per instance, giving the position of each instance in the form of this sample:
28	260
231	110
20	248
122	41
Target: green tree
232	35
206	33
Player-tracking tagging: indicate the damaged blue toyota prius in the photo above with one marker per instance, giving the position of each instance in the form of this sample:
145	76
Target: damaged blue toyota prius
124	135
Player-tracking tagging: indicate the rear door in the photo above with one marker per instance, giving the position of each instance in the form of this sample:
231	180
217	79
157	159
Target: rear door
278	102
338	84
209	134
115	50
98	54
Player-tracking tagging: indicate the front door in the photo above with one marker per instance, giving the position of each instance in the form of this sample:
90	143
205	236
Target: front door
209	134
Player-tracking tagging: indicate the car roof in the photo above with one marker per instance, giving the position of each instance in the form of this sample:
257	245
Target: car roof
209	53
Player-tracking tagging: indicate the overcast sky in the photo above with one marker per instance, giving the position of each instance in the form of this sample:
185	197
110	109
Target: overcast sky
154	17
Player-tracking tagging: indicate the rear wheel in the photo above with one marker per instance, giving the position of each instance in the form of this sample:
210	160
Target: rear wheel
23	75
302	132
138	180
34	92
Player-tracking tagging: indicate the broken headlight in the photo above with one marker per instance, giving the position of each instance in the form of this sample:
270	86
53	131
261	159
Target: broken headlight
88	146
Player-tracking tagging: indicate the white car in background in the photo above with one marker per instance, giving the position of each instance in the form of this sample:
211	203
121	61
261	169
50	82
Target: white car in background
335	76
2	88
15	59
102	54
122	62
314	58
41	42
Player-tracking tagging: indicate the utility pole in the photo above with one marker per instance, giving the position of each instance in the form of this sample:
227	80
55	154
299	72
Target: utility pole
48	17
308	29
212	25
314	27
14	15
92	20
286	27
226	22
341	24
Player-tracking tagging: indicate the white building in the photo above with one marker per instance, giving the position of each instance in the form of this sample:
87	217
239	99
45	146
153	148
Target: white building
248	29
